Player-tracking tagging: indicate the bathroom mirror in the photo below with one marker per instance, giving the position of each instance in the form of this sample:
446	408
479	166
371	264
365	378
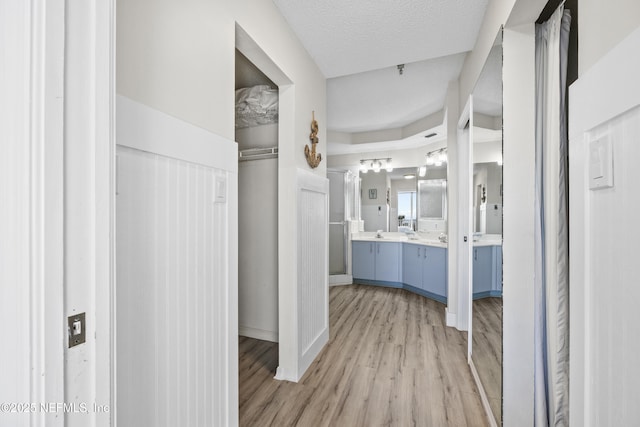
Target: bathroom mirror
432	194
486	197
432	205
402	200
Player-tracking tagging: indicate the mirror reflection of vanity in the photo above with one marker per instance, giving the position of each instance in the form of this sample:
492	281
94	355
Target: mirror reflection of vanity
401	200
486	325
432	205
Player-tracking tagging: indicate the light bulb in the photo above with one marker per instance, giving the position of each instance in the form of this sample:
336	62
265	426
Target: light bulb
376	166
363	167
388	165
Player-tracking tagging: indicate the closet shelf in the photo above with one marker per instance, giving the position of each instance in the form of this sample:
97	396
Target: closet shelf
257	154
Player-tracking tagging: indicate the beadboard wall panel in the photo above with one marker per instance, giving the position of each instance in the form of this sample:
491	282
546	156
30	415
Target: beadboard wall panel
176	291
313	268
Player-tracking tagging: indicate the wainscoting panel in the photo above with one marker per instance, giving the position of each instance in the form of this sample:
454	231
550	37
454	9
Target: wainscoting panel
176	291
313	268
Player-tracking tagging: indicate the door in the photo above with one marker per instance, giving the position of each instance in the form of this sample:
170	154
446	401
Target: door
435	271
388	262
364	260
337	223
412	265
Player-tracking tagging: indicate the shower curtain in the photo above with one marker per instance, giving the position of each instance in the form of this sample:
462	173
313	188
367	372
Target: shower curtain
551	383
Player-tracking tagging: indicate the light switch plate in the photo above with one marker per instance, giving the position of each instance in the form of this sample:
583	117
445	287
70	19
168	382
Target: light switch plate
600	163
221	190
77	327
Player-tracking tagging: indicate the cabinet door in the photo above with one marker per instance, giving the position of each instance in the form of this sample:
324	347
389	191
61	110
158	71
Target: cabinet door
434	273
497	282
483	268
412	256
388	261
363	260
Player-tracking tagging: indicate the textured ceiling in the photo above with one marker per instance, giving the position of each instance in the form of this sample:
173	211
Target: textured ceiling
357	44
347	37
384	99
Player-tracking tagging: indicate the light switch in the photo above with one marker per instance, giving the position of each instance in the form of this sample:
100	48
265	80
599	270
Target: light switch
221	190
76	329
600	163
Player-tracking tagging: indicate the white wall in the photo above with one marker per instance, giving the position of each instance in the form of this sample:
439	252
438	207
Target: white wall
180	58
31	188
518	242
604	102
602	26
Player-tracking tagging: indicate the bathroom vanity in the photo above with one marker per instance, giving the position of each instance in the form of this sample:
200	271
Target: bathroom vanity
420	265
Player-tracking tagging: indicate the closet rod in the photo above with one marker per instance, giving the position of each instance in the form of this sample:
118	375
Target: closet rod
257	154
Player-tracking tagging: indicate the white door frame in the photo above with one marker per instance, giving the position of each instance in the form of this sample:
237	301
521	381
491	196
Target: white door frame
465	218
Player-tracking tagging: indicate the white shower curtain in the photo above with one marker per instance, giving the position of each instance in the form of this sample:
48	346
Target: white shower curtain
551	227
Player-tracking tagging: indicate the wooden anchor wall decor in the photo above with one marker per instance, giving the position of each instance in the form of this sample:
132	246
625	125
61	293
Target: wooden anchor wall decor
313	158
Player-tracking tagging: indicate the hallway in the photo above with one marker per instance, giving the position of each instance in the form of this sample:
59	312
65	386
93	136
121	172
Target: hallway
390	361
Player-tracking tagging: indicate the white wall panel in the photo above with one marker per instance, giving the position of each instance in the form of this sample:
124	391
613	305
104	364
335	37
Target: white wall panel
605	103
518	243
258	254
172	272
313	269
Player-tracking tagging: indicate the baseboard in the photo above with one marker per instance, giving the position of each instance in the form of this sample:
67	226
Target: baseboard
483	396
259	334
310	353
340	279
451	318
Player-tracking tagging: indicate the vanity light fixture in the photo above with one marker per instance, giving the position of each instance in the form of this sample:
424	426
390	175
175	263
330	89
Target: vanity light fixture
437	157
363	167
400	68
376	165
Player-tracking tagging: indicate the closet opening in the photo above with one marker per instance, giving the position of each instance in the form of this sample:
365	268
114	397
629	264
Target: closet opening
256	132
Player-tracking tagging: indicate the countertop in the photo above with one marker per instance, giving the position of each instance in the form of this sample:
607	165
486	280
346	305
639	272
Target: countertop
428	239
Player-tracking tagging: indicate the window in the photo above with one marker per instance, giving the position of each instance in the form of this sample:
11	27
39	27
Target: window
407	209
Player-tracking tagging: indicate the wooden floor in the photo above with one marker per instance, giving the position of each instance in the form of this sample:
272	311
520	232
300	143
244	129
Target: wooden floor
487	349
390	361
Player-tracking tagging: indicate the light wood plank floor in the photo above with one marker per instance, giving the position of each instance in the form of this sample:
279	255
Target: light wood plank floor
390	361
487	349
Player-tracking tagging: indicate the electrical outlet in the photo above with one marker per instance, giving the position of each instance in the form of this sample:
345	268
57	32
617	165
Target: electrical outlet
77	327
